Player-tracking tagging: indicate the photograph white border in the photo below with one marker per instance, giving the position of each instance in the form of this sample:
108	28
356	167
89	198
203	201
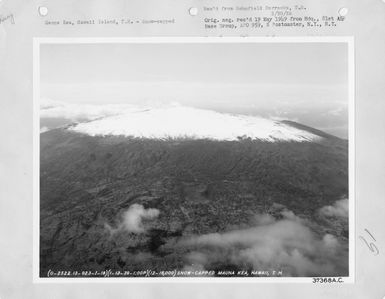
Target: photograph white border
37	42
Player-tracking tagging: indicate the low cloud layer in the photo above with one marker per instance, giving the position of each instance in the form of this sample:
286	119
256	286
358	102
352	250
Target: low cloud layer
132	220
287	244
339	209
43	129
80	112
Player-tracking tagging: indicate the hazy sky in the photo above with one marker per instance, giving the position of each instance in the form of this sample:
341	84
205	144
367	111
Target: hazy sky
306	82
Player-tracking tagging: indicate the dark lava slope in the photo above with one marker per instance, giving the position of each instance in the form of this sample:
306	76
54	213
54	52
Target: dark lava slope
199	186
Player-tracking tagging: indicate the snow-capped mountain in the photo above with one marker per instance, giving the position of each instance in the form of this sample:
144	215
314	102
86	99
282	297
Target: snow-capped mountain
193	123
221	172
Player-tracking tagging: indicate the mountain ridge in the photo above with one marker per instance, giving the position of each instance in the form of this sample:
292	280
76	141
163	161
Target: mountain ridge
194	123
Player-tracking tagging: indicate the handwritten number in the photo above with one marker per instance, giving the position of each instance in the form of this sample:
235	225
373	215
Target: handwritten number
370	234
372	247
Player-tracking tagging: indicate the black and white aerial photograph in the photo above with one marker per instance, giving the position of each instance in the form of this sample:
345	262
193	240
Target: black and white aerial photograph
193	159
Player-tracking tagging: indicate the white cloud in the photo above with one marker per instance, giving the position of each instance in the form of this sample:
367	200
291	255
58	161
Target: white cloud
339	209
287	244
43	129
132	219
80	112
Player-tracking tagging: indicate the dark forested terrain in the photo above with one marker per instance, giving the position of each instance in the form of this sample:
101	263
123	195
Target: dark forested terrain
198	186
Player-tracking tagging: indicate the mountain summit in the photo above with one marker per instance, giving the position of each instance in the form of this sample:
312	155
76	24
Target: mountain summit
193	123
